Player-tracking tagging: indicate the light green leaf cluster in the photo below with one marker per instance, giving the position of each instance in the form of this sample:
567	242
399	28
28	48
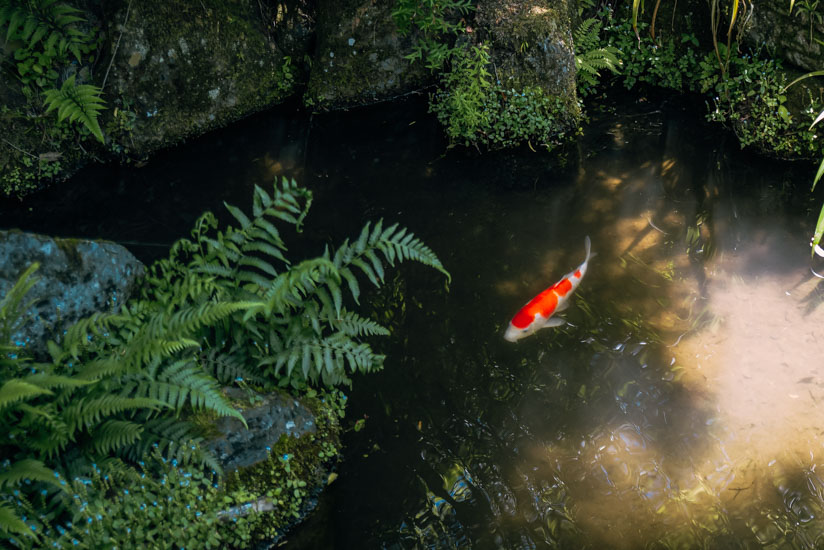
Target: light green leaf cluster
78	103
115	386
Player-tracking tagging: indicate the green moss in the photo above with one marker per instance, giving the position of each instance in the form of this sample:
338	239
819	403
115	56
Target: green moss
69	248
296	467
37	151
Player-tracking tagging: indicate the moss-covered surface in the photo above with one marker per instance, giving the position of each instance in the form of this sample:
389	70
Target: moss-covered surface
285	485
531	45
183	68
359	56
788	35
171	70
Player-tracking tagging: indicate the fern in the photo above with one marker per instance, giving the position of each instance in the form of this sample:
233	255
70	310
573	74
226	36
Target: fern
590	58
115	386
77	102
293	324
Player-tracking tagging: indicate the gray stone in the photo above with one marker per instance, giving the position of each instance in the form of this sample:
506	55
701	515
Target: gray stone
359	56
77	278
786	35
185	68
269	417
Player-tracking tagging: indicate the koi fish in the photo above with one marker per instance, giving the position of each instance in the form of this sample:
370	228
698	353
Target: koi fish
538	312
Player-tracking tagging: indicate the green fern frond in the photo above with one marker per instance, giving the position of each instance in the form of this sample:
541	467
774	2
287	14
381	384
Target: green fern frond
14	304
585	36
27	469
115	434
81	103
10	522
31	22
176	383
87	412
353	324
324	359
16	390
230	367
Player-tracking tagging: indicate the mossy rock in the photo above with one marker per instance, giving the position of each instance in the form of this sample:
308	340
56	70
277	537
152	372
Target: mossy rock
787	36
359	56
169	71
531	46
182	68
283	461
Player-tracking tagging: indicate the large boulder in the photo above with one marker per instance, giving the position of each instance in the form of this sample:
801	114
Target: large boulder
77	278
182	68
359	56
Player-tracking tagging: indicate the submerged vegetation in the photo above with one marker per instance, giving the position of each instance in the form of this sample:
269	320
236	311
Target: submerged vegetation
120	389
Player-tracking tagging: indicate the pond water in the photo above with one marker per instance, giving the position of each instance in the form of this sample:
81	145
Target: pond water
681	406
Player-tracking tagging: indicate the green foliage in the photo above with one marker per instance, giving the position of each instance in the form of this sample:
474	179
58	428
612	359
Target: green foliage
590	56
809	9
228	305
48	33
294	328
162	504
434	20
47	41
475	112
115	386
173	503
77	102
752	99
464	90
667	62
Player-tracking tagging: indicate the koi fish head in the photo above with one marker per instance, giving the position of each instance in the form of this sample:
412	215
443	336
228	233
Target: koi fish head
513	333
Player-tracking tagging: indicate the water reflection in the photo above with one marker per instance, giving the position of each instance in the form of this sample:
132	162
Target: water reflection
678	407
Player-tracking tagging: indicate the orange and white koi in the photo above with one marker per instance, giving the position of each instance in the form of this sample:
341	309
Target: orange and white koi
538	312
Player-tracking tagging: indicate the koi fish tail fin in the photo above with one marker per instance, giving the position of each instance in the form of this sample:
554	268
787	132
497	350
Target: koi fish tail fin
588	245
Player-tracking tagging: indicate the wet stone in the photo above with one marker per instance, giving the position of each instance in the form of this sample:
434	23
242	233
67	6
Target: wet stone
76	279
269	417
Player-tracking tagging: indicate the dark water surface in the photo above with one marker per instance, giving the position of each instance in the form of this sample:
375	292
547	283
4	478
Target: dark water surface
681	407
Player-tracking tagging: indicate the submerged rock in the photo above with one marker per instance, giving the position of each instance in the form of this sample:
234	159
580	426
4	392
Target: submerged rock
77	278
